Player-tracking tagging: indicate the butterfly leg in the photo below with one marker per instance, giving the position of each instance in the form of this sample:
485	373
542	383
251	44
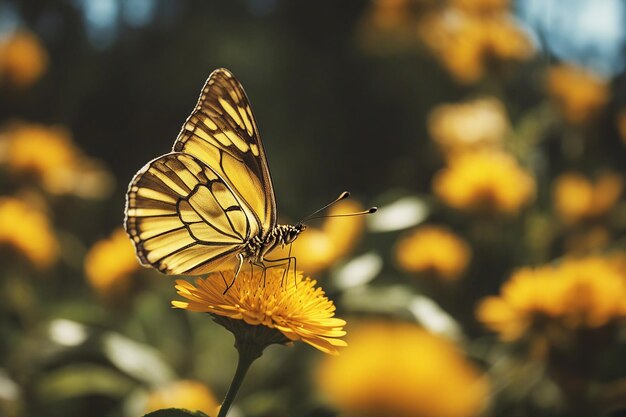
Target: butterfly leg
263	268
264	274
252	265
236	274
223	278
286	271
284	261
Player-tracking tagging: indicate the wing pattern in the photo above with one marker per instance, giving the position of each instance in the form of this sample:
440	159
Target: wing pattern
222	132
183	217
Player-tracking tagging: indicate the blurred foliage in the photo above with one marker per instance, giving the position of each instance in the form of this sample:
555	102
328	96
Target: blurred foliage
490	283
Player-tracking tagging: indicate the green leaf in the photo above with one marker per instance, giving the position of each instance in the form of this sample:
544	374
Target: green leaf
175	412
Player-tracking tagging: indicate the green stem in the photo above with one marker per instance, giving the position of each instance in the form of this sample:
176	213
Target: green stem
248	353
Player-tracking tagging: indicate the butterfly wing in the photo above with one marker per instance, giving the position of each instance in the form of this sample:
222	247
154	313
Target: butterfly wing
222	133
184	218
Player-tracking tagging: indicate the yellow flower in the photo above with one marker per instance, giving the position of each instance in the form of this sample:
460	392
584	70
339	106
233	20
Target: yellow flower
587	240
187	394
390	13
319	248
39	150
577	293
49	155
578	93
388	26
110	263
23	60
481	6
505	40
576	198
27	230
288	303
471	126
466	43
433	250
400	370
484	181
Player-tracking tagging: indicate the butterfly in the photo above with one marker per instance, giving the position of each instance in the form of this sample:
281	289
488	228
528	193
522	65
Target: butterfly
210	202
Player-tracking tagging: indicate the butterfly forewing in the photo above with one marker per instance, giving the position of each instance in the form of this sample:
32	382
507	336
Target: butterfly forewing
184	218
223	134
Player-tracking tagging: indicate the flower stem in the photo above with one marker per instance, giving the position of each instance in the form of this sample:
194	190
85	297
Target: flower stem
248	353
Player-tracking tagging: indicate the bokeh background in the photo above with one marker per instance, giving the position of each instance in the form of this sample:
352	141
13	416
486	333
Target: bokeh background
491	134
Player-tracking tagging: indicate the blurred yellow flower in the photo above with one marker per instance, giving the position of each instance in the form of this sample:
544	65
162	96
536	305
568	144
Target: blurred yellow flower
578	93
433	250
576	198
390	13
27	230
39	150
490	182
48	154
187	394
481	6
110	263
466	43
318	249
287	302
400	370
475	125
388	26
586	240
23	60
576	293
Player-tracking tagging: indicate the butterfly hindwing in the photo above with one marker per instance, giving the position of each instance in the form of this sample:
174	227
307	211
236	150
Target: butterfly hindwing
222	133
184	218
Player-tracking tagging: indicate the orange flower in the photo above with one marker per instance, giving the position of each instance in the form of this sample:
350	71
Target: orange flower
288	303
23	60
400	370
475	125
187	394
587	240
388	26
578	93
481	6
390	13
577	293
26	229
505	40
465	43
48	154
576	198
433	250
39	150
484	181
110	263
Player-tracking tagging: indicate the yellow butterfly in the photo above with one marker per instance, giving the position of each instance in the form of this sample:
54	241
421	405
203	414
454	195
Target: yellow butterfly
210	202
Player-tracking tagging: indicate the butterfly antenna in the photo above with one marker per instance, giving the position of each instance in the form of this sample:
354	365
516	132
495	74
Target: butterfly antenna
342	196
357	213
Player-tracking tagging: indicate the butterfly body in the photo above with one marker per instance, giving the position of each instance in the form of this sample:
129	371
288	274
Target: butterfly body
210	202
279	236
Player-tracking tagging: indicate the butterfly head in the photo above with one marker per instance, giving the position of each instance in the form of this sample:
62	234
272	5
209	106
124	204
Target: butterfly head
294	231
